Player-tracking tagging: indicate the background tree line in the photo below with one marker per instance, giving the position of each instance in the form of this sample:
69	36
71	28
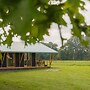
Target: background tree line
72	50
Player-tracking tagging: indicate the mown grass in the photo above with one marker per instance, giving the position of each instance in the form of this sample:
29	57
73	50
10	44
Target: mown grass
64	75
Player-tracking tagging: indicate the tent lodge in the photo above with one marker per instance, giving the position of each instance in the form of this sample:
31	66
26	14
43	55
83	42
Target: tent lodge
19	55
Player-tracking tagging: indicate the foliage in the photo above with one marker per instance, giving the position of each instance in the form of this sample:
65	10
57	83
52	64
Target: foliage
46	56
51	45
73	49
31	19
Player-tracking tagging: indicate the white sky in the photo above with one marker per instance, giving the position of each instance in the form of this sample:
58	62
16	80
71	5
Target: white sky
54	34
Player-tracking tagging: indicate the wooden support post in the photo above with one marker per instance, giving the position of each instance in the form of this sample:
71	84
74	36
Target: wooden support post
50	62
25	59
30	59
7	60
14	59
21	60
36	59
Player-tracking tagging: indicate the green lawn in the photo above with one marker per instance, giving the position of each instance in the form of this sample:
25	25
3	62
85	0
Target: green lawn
64	75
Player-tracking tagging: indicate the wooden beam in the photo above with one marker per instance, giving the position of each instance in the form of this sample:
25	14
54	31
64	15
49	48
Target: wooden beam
30	59
50	61
21	60
14	58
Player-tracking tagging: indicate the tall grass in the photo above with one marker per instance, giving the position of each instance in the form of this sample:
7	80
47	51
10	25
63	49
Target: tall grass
64	75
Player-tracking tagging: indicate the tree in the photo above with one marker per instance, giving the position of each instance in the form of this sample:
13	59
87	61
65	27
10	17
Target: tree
47	56
74	50
51	45
31	19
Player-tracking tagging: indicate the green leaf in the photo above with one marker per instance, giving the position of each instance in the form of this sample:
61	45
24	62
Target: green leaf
74	3
85	42
34	31
8	39
24	16
76	31
80	17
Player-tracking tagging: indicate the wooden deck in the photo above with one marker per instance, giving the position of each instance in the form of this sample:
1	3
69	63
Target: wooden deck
21	68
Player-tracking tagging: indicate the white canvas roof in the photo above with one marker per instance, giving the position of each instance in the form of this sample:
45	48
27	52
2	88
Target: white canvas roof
33	48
